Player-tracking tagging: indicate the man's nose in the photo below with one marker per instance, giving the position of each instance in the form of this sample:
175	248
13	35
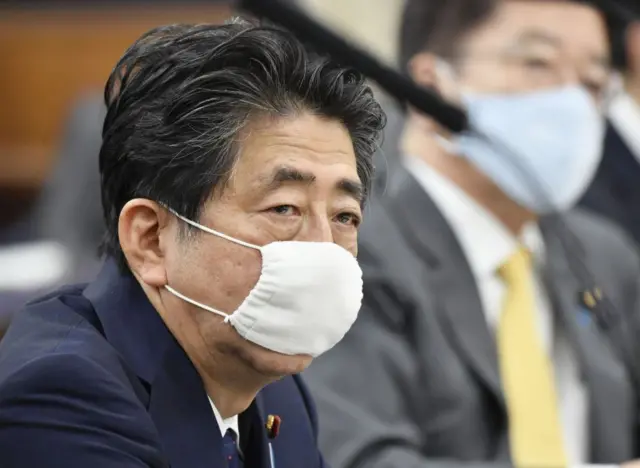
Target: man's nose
569	75
317	228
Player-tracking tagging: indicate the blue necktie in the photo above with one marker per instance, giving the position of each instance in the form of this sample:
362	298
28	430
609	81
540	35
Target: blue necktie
230	450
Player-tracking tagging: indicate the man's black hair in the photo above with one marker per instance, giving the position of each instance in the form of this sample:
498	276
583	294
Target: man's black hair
619	15
438	26
179	97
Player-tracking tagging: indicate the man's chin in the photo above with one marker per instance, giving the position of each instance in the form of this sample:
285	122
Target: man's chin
271	364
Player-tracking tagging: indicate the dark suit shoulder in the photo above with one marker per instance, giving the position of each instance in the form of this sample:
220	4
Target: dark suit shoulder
58	324
68	403
380	241
394	276
611	258
62	385
608	248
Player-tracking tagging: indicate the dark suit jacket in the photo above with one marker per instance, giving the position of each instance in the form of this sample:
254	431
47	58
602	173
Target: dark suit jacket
90	377
615	191
416	383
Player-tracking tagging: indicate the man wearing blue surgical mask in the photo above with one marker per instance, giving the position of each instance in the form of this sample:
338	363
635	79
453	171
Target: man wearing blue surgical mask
477	343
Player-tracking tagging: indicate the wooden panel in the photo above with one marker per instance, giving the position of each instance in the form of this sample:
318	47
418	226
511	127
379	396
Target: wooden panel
49	57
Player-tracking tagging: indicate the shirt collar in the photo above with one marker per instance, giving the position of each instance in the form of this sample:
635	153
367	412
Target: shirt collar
486	242
624	115
226	424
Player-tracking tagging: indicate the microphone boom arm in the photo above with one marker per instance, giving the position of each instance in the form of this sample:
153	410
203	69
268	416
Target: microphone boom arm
325	41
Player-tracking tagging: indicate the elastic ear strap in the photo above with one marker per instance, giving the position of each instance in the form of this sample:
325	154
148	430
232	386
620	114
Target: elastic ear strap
212	231
196	303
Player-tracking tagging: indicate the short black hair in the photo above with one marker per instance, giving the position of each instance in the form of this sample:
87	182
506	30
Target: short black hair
618	43
438	25
179	97
619	15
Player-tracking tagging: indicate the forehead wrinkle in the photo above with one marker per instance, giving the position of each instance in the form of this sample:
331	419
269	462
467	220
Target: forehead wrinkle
534	35
277	132
314	146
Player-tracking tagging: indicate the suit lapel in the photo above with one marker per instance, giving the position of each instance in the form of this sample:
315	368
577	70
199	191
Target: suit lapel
188	429
601	370
252	427
456	294
177	401
182	414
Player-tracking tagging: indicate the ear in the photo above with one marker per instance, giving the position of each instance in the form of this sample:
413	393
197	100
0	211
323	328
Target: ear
423	70
143	228
633	48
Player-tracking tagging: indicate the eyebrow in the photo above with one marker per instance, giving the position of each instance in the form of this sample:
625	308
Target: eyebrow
533	36
284	175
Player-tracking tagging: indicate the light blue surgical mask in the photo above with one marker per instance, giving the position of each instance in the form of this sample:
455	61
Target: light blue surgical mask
542	148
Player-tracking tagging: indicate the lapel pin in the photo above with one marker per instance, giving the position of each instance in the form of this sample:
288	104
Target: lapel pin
273	426
597	292
589	299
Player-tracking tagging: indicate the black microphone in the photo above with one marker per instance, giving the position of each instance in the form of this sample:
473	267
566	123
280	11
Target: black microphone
325	41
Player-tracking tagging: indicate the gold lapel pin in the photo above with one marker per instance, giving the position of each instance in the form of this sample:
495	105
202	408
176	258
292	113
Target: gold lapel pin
273	426
597	292
589	299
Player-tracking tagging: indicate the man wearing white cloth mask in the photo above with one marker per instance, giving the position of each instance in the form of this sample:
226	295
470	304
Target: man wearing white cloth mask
480	341
234	170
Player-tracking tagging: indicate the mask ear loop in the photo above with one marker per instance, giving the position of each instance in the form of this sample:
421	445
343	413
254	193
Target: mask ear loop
445	70
213	231
227	317
613	90
208	230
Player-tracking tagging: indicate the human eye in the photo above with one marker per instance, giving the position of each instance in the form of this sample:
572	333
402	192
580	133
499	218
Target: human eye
285	210
537	63
538	58
349	219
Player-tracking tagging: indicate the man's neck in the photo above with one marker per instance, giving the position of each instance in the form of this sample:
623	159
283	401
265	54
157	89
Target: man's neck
230	383
460	171
227	380
230	392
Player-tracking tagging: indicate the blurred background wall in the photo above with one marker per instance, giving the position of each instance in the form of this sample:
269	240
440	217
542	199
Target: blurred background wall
372	25
52	53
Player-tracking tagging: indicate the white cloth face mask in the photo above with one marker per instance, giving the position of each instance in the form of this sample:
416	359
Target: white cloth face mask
306	299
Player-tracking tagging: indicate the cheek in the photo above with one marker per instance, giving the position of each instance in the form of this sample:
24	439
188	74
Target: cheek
486	77
237	274
347	239
215	272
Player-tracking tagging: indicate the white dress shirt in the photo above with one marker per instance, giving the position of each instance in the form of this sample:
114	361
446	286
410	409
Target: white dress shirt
226	424
487	244
624	115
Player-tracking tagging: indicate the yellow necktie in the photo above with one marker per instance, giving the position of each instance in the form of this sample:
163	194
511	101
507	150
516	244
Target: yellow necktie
535	433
